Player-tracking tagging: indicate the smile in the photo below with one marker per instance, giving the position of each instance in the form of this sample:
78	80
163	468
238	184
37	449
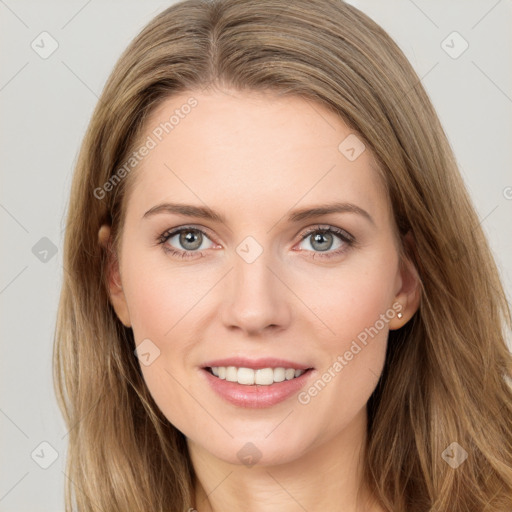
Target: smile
256	388
250	377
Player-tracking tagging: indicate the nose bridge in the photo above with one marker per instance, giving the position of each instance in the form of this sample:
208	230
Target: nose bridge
252	276
257	299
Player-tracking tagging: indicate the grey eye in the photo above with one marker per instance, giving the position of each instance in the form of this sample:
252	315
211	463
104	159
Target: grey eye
191	239
321	241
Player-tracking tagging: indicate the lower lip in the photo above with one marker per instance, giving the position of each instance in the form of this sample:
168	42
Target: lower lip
256	397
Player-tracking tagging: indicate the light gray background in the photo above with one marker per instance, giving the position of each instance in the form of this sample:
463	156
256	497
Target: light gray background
45	107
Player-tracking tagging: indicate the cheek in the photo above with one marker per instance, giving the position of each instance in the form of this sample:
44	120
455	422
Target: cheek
354	307
352	298
159	296
159	299
344	302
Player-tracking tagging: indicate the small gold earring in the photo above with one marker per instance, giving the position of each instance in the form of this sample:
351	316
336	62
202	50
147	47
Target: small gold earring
399	315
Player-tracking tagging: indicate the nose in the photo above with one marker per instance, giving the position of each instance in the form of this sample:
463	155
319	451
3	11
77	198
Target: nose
255	300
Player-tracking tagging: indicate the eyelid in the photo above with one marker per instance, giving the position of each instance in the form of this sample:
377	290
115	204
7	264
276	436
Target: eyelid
347	238
169	233
303	232
327	227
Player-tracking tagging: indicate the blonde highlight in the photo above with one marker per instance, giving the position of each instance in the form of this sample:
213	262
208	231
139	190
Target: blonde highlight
446	372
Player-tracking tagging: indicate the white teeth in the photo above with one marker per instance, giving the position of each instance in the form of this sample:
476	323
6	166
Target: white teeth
279	374
250	377
246	376
231	374
264	377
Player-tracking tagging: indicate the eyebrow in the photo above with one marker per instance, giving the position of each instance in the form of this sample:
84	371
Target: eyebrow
204	212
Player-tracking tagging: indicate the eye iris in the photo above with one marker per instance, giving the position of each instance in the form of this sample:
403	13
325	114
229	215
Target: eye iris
318	239
188	237
322	240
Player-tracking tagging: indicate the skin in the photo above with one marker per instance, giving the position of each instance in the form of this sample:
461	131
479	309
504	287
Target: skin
254	157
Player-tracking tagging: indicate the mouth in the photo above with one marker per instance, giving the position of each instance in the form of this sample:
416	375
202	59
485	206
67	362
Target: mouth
256	383
256	377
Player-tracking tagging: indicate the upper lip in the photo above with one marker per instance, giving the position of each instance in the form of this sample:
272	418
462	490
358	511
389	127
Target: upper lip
256	364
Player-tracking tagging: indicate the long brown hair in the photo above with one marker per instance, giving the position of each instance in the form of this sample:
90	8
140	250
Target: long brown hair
446	373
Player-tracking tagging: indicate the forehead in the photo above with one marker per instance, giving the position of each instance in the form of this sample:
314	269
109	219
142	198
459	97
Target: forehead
250	152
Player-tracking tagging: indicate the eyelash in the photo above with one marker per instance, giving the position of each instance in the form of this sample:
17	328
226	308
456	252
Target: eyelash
345	237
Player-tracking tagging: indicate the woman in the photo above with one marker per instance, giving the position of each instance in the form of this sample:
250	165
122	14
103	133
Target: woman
278	295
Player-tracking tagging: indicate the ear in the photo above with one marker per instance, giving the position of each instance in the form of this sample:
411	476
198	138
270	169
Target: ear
115	289
407	299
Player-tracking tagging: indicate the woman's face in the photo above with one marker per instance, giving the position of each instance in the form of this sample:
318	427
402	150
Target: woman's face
265	287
